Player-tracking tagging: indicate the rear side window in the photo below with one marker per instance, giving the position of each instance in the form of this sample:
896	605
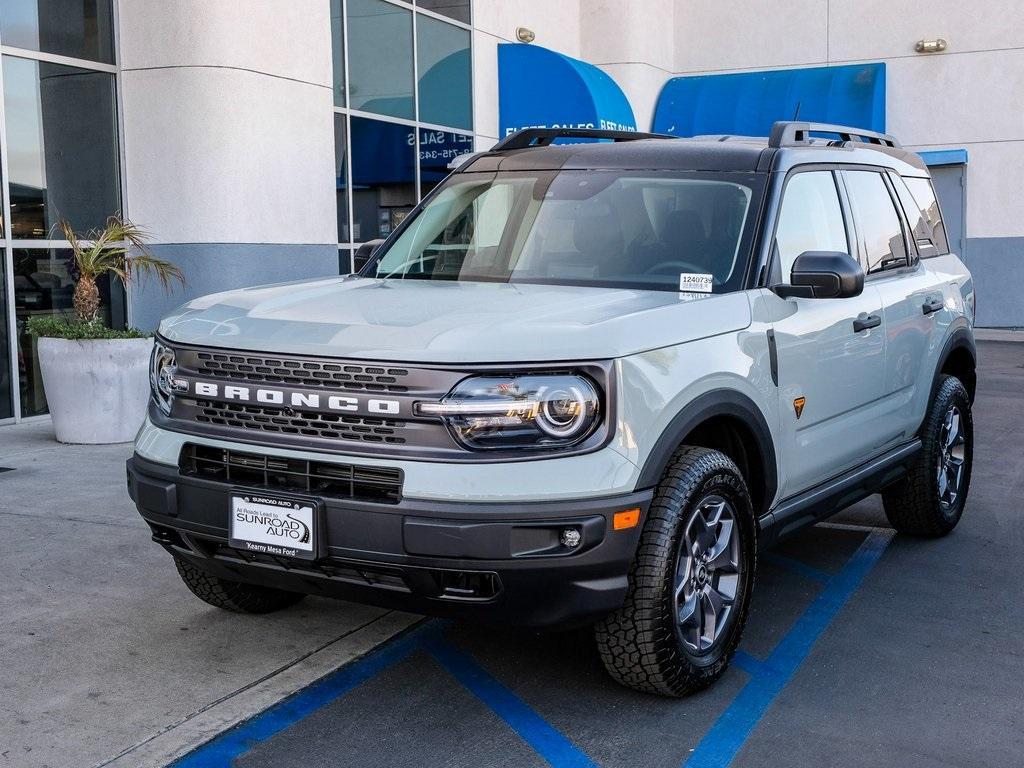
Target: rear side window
879	230
930	233
810	219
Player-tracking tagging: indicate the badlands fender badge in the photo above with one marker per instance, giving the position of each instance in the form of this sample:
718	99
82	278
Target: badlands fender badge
695	282
798	406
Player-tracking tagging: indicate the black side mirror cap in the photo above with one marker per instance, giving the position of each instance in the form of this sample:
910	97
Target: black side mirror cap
824	275
365	251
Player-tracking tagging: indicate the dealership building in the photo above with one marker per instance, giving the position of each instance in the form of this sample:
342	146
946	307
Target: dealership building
262	140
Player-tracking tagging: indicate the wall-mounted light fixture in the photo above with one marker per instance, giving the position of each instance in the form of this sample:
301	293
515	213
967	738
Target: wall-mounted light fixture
938	45
524	35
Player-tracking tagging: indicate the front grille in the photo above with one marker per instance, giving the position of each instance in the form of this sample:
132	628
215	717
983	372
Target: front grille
301	372
366	429
342	481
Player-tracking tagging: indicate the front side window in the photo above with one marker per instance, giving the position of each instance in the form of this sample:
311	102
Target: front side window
878	225
625	229
810	219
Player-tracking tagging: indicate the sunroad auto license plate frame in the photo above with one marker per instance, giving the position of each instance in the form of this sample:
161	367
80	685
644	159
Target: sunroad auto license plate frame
276	524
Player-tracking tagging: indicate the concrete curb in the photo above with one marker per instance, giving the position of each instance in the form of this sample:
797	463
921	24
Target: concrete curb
998	334
199	727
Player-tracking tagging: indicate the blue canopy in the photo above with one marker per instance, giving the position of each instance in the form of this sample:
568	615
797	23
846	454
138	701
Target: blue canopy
747	103
539	88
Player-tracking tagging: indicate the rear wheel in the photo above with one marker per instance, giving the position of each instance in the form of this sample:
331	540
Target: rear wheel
690	583
930	500
233	595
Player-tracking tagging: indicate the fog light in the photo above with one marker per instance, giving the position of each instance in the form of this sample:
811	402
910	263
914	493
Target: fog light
570	538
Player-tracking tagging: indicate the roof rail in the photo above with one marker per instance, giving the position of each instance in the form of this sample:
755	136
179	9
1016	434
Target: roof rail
542	137
791	133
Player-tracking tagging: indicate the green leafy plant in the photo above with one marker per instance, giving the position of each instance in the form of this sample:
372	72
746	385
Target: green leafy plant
59	327
119	248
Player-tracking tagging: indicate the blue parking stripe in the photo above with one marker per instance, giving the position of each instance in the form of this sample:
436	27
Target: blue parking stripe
219	752
727	736
546	740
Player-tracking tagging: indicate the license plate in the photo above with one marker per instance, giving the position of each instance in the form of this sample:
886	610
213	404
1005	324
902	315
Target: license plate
275	525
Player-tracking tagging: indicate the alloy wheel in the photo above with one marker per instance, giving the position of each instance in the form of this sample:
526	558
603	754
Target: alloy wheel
707	574
952	453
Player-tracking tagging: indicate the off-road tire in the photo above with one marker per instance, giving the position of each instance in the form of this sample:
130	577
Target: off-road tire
639	643
912	503
233	595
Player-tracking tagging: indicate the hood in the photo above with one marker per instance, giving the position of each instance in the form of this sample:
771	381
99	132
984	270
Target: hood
451	322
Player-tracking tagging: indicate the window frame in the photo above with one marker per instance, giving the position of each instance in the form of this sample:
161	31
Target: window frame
941	249
913	260
845	211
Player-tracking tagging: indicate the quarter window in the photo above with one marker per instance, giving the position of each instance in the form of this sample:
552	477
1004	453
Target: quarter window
811	219
934	231
878	225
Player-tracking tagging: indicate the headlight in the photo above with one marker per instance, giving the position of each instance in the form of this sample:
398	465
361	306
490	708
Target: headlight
161	365
539	411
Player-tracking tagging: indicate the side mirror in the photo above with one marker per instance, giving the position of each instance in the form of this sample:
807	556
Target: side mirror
824	275
365	251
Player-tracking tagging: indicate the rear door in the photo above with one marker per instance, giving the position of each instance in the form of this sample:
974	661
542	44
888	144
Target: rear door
829	372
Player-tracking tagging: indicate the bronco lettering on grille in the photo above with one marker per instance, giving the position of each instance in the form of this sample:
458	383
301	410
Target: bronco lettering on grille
314	400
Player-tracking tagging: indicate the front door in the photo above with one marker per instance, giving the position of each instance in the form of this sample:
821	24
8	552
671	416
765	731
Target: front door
830	352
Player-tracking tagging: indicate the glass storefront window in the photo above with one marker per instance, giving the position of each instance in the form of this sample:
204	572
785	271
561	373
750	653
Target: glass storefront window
445	72
62	147
437	149
6	390
380	58
341	176
453	9
338	51
80	29
43	285
383	176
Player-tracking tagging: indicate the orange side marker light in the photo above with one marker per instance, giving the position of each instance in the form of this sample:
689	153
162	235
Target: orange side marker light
628	518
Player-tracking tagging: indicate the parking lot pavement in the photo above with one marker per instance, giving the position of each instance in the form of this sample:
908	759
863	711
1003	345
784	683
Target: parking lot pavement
103	652
863	649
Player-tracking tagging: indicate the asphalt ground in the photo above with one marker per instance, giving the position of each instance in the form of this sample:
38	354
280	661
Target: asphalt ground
863	648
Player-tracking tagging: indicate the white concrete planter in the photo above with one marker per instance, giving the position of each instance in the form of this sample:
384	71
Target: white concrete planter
97	389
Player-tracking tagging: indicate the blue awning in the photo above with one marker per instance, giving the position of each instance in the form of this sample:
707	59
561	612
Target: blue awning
944	157
747	103
539	88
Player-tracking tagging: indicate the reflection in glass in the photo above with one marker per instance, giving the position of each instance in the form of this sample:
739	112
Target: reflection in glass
453	9
43	285
81	29
6	390
878	224
442	52
437	149
338	51
345	261
341	176
383	176
62	146
811	219
380	58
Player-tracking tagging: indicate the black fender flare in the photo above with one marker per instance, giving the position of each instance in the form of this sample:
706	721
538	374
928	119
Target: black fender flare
717	402
960	338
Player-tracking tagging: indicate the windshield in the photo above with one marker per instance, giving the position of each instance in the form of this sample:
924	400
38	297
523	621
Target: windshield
630	229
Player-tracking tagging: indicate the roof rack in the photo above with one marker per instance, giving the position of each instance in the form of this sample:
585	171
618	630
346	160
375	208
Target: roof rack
790	133
542	137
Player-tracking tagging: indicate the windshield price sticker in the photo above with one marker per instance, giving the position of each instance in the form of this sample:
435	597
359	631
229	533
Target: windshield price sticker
694	282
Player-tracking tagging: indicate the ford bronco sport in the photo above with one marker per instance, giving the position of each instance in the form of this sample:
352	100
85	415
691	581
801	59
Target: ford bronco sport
581	384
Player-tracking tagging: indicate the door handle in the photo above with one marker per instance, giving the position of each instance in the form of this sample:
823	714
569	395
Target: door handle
932	305
865	321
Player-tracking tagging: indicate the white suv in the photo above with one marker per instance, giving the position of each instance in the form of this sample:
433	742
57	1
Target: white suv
581	383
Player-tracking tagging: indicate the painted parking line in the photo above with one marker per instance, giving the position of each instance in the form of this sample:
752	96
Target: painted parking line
717	749
730	732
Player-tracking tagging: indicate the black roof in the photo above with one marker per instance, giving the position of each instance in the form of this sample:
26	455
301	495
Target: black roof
646	154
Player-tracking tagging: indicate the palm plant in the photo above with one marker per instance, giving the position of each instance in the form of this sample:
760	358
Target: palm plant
120	248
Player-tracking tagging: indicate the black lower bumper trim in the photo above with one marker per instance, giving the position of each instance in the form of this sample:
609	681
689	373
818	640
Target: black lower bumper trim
492	562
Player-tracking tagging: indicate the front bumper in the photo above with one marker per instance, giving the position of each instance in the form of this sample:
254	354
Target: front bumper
487	561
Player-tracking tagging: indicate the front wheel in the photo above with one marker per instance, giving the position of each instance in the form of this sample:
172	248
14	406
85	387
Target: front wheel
930	500
691	581
233	595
